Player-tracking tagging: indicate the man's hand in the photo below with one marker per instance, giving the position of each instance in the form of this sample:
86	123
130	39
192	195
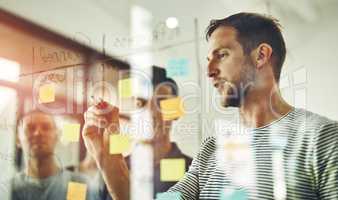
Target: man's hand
101	121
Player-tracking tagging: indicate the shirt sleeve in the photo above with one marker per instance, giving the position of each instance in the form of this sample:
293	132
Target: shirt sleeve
325	162
188	187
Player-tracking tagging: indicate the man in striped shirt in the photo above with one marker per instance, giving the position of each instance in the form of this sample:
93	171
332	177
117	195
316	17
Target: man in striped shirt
246	54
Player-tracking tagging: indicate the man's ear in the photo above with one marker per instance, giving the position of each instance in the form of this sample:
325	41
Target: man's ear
17	141
262	55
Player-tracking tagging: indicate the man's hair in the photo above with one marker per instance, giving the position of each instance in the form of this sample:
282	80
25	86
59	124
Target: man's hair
172	84
160	78
29	113
253	29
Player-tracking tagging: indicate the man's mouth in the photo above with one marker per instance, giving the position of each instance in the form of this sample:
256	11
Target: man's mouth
218	81
219	84
37	143
216	84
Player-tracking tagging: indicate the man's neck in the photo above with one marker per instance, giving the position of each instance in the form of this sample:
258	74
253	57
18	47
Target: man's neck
262	108
161	150
42	167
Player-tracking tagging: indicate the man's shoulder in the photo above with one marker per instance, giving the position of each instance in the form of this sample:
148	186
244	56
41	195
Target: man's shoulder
74	177
18	180
312	116
208	147
319	130
209	141
325	129
311	121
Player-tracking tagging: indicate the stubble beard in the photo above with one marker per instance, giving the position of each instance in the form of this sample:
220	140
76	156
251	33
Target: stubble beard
237	92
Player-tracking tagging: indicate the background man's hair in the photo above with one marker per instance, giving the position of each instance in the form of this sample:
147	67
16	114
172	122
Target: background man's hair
160	78
172	84
253	29
21	116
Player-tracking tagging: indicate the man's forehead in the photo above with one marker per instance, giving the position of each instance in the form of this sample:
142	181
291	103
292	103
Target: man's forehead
37	117
163	89
224	36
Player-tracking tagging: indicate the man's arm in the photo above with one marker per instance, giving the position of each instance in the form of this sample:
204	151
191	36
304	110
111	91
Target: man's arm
188	187
325	162
113	168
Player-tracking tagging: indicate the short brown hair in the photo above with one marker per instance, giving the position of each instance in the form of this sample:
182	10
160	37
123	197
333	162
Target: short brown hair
253	29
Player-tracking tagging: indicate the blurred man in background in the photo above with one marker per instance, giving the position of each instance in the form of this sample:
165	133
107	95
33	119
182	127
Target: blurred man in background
42	177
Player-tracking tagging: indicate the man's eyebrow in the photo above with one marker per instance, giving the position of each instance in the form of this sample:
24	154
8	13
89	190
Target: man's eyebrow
227	47
215	51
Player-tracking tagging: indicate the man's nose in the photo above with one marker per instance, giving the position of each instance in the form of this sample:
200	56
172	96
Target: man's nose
37	131
213	70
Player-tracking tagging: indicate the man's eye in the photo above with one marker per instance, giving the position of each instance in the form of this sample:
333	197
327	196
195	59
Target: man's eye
140	103
46	127
221	55
30	128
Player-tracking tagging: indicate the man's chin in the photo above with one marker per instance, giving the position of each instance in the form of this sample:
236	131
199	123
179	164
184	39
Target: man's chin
233	102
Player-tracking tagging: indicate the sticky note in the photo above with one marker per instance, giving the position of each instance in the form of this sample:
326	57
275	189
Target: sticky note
168	196
118	144
177	67
172	169
234	194
76	191
235	146
172	108
71	132
47	93
125	88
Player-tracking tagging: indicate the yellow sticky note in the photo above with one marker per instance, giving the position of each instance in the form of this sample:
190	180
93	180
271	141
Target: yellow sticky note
71	132
172	108
125	88
76	191
118	144
172	169
47	93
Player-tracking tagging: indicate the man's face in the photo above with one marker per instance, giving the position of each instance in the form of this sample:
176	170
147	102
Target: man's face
39	135
161	127
231	71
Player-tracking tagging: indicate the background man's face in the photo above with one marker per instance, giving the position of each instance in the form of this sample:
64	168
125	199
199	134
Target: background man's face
161	127
232	72
39	135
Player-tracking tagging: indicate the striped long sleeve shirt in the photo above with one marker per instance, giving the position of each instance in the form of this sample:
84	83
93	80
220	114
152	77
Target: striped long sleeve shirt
310	161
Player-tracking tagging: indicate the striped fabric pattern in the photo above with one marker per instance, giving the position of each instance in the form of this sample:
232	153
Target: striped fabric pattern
310	161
